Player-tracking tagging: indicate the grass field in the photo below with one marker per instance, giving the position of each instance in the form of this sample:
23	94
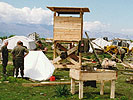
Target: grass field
15	91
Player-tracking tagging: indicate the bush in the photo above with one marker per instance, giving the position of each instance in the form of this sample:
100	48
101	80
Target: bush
12	79
3	78
123	98
62	90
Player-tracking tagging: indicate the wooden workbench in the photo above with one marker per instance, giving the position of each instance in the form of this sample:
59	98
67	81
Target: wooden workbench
101	75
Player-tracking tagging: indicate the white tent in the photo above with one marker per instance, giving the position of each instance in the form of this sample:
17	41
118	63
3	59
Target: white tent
37	66
12	42
100	42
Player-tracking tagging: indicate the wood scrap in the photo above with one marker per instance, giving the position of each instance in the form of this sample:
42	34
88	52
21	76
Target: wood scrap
45	83
125	73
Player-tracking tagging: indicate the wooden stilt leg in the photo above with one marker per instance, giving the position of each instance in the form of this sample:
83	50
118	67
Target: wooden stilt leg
80	89
112	95
72	86
102	88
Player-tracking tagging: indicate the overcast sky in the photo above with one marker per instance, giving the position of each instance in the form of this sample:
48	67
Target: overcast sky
105	15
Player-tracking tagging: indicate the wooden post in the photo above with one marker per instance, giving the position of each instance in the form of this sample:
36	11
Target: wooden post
112	94
80	89
102	88
72	86
80	60
54	53
81	16
93	49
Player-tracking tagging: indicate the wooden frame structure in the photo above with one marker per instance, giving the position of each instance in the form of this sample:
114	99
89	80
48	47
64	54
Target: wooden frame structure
67	30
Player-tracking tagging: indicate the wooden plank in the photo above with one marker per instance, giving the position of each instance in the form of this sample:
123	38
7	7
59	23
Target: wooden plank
80	89
69	9
65	66
70	32
67	18
45	83
67	38
72	50
83	75
86	63
112	94
72	61
81	16
54	53
58	51
125	73
80	59
87	59
102	88
98	76
74	74
72	86
57	59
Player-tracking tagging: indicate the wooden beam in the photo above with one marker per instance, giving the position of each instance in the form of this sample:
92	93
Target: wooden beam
102	88
69	9
125	73
80	89
46	83
66	66
72	61
56	60
87	59
80	59
72	86
72	50
112	94
58	51
54	53
93	49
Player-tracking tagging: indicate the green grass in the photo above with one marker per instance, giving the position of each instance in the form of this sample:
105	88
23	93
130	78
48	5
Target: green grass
15	91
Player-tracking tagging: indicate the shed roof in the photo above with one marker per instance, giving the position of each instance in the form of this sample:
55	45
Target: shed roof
68	10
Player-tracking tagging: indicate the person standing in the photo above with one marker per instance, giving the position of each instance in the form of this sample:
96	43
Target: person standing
40	47
19	52
122	53
4	51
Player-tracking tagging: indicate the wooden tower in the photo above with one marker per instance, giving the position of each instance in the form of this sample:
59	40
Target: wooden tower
68	29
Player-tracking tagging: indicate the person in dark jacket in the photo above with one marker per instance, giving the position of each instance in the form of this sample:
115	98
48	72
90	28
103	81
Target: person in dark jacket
40	47
4	51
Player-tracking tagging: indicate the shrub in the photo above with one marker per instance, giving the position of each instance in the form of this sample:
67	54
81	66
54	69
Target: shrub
62	90
123	98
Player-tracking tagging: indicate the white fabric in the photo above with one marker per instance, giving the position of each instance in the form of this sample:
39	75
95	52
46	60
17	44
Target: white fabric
37	66
12	42
130	46
0	43
100	42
